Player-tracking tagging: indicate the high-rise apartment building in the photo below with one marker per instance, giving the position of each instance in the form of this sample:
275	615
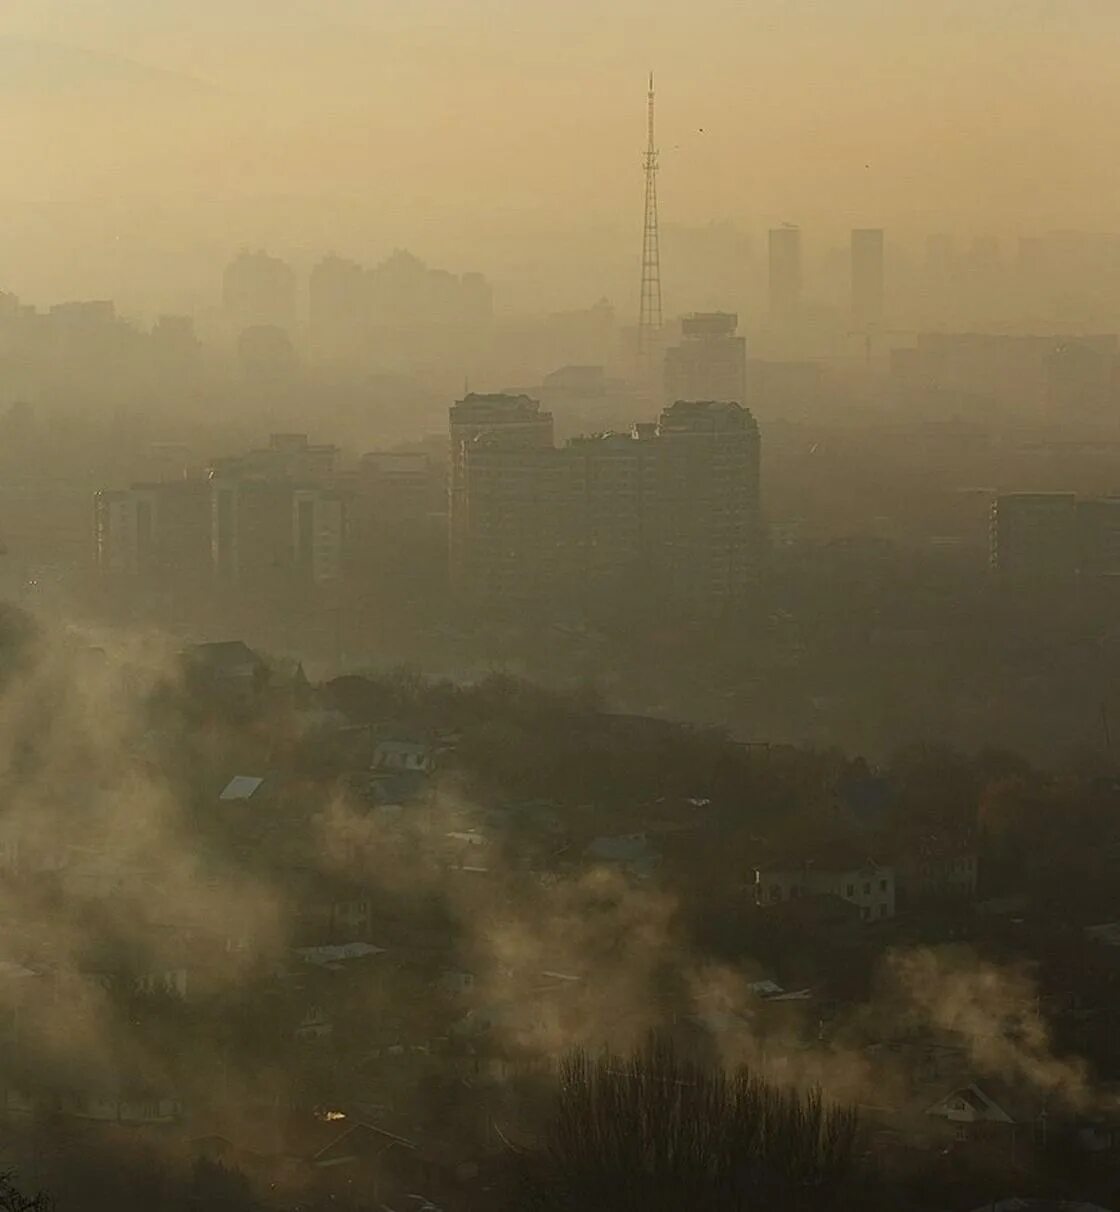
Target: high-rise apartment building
670	510
1034	535
785	274
153	528
707	507
868	277
507	422
259	290
710	363
1054	536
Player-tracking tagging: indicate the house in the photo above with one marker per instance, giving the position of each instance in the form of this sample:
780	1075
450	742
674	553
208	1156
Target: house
631	852
230	667
988	1108
395	754
97	1103
860	881
330	1154
935	867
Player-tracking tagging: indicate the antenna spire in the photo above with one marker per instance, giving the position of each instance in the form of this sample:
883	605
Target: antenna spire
649	311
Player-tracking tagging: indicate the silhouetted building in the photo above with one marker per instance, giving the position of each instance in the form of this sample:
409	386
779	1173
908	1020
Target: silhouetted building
154	528
710	363
785	274
708	504
338	309
259	291
670	510
278	509
513	423
868	273
399	486
1034	535
1098	536
1060	374
266	354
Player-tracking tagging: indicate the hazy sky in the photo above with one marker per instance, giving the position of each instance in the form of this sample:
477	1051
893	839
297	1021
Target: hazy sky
475	130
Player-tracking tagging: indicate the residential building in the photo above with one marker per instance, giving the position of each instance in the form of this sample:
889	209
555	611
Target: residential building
785	274
864	883
710	363
1034	535
936	868
706	511
1098	536
398	486
277	511
669	511
491	423
259	290
152	528
319	524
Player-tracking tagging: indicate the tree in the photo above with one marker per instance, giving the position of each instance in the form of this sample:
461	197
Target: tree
657	1131
13	1200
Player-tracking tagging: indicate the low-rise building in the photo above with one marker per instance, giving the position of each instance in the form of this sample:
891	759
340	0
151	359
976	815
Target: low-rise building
861	882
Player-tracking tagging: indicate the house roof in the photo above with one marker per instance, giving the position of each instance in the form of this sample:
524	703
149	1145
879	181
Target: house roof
994	1100
241	787
331	955
223	655
628	848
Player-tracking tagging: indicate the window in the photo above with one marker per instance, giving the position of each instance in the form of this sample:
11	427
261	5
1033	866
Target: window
851	889
882	911
865	912
960	1133
867	889
882	885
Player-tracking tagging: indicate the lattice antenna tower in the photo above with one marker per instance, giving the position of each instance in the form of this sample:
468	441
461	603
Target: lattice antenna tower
649	312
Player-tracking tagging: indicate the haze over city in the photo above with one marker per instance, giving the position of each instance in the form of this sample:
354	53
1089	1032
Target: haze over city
142	140
559	578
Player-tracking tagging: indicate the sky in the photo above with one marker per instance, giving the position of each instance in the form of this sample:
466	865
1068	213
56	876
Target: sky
143	137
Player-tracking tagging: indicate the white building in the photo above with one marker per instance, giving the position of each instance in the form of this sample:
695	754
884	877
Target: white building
867	884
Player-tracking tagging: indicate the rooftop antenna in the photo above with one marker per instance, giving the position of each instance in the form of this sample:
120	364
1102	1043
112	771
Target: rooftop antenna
649	312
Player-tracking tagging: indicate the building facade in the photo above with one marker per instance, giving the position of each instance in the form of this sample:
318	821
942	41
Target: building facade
670	510
785	274
710	363
868	885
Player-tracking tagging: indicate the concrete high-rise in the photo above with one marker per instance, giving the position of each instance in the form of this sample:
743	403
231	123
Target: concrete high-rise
509	423
868	277
785	274
259	290
669	511
710	363
1034	535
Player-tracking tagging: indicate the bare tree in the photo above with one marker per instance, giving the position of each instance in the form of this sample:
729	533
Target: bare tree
656	1131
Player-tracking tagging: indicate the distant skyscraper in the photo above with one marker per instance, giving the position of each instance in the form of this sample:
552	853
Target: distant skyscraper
867	277
710	363
785	273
